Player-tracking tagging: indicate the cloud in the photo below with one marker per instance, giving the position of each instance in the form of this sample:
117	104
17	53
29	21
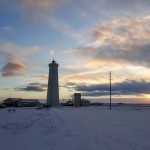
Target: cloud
43	77
52	52
33	48
63	27
33	87
68	85
79	74
39	12
127	87
38	84
87	50
115	8
15	58
13	66
7	46
42	5
124	41
12	47
11	53
11	60
12	69
8	29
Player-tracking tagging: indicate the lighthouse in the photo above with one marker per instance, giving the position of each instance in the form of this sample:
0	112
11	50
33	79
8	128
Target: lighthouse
53	88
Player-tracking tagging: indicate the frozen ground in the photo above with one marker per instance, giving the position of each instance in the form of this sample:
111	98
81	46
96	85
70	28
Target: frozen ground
82	128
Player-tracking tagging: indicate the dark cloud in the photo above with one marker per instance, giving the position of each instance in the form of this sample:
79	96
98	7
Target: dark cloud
68	85
42	85
127	87
137	55
12	69
33	87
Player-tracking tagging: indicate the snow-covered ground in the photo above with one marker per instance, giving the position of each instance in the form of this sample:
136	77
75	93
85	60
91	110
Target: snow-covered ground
75	128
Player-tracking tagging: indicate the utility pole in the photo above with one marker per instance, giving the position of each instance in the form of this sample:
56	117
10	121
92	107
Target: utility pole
110	90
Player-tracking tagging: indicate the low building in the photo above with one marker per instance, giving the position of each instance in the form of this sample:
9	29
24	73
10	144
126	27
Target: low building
78	101
84	102
19	102
28	102
68	103
11	102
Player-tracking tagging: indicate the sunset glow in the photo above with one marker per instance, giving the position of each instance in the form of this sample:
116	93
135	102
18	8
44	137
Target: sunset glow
87	41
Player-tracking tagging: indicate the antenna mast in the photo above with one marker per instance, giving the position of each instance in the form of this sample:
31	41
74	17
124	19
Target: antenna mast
110	90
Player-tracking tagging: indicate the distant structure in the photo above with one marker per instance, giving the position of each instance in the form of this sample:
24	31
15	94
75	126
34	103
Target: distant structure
80	102
77	99
19	102
53	89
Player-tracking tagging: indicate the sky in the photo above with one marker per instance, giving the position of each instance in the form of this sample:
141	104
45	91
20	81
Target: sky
87	38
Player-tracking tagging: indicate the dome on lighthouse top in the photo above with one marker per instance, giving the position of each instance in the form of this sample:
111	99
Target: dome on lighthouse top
53	63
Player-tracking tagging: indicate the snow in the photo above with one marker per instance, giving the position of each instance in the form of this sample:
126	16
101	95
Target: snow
75	128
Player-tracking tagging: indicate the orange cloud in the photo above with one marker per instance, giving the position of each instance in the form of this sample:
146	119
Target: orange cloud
33	48
15	58
12	47
123	32
123	41
42	5
12	69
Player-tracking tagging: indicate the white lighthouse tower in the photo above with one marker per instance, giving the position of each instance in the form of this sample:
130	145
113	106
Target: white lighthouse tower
53	89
